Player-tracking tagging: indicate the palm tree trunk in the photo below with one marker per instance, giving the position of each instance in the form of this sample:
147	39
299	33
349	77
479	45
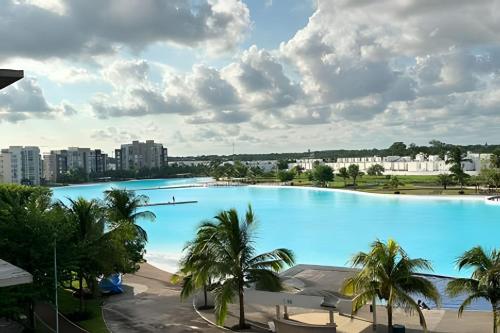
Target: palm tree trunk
374	310
389	318
242	307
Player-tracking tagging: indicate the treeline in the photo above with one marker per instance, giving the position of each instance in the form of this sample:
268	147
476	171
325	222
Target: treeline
434	147
93	239
172	170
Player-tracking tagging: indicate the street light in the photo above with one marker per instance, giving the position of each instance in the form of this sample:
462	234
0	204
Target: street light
55	284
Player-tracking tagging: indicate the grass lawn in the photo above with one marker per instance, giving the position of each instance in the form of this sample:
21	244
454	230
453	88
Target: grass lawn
416	185
69	304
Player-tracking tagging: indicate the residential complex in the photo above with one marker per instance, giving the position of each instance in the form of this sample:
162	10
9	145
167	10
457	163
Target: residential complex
20	165
403	165
139	155
24	165
60	162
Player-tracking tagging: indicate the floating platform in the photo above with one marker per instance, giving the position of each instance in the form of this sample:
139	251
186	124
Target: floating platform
169	203
175	187
494	200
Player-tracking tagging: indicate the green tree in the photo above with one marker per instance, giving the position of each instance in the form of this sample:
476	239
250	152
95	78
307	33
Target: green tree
375	170
354	173
240	169
322	174
495	159
394	182
197	269
444	180
282	165
123	210
344	174
397	149
285	176
88	217
229	241
298	170
492	177
483	283
389	274
29	225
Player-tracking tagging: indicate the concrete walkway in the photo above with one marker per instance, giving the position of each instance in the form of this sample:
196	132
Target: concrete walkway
152	304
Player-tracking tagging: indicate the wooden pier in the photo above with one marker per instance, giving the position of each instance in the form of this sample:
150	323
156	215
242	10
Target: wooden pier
169	203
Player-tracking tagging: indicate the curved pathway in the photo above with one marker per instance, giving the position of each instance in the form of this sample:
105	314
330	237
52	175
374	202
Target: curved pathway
152	304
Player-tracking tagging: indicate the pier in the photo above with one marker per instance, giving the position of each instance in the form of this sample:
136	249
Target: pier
170	203
175	187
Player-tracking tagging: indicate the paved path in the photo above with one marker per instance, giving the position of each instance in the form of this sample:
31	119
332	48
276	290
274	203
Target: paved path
151	304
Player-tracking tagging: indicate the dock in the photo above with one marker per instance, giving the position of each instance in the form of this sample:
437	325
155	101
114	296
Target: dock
175	187
170	203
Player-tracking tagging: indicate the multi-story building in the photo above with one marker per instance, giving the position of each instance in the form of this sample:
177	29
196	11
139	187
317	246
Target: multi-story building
20	165
60	162
141	155
98	161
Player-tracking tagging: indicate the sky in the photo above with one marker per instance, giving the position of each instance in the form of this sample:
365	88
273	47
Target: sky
264	75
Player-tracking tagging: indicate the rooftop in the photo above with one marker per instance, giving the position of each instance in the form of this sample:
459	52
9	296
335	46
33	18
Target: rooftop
11	275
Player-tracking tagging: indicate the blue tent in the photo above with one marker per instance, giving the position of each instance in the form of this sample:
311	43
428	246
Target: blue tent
111	284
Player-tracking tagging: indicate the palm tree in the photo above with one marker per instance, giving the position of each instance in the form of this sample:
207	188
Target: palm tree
389	274
123	207
89	218
444	180
343	173
483	283
197	270
228	241
394	182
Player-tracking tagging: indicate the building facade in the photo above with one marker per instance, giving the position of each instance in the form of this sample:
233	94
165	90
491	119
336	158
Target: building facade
403	165
60	162
20	165
141	155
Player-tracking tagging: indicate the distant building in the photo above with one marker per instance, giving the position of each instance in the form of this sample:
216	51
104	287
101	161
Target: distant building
60	162
141	155
20	165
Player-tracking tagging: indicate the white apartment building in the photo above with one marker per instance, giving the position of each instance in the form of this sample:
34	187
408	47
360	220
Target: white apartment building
403	165
138	155
20	165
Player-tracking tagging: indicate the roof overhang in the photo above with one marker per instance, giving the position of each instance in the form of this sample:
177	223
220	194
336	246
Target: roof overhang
11	275
9	76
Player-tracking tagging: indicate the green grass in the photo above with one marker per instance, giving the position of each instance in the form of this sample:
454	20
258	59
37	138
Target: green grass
416	185
69	304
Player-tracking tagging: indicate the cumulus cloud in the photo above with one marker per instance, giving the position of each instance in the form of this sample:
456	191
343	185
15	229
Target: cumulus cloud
25	100
77	28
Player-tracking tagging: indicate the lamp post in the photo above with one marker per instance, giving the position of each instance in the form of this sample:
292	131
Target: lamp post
55	285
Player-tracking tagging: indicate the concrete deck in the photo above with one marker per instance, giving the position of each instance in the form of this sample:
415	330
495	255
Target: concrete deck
152	304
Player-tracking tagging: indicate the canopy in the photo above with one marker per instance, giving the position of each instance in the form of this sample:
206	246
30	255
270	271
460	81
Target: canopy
9	76
11	275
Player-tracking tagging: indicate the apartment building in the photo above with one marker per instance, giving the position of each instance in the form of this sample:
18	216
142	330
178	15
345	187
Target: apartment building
60	162
139	155
20	165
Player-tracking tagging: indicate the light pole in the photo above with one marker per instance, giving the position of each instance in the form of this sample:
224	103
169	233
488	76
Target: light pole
55	284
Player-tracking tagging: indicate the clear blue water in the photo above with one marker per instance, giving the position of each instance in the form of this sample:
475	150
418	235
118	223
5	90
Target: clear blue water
322	227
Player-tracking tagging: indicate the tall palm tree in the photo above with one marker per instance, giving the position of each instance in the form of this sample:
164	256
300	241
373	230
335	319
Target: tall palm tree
197	270
89	218
228	240
123	207
389	274
483	283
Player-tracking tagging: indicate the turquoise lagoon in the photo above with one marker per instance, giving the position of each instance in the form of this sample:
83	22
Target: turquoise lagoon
322	227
